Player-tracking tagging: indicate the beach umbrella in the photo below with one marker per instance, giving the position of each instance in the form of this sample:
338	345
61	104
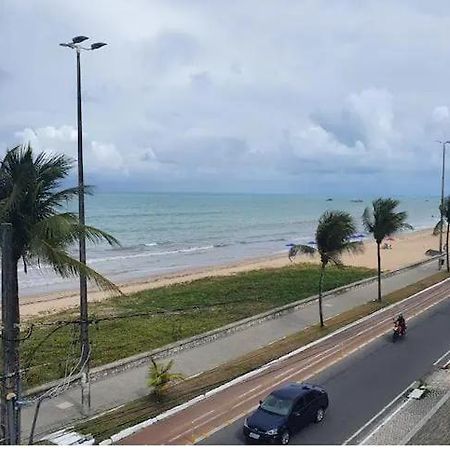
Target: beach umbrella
312	243
390	238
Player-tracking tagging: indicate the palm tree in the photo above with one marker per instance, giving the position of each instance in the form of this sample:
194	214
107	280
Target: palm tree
31	200
159	377
446	220
383	221
333	235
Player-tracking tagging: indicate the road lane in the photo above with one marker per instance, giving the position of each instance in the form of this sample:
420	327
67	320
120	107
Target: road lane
236	401
362	384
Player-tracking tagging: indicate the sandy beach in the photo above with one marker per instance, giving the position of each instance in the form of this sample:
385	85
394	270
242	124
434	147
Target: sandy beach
406	249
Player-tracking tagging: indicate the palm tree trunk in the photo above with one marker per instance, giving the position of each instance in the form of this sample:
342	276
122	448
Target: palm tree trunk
17	321
10	351
322	273
379	269
15	288
446	248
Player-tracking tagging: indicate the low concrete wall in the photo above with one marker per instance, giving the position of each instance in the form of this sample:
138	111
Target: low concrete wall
212	335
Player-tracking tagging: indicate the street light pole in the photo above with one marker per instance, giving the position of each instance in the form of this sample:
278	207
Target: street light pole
84	315
84	324
441	223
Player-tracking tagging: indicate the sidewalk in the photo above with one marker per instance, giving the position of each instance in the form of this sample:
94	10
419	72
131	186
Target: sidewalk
411	419
436	430
123	387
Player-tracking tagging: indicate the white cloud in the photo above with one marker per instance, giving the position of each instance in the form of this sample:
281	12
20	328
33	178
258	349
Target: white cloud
441	114
250	90
106	156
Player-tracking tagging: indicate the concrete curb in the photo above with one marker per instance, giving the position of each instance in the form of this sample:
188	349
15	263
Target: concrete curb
212	335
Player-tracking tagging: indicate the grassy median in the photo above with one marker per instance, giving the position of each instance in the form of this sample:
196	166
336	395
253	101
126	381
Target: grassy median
145	408
157	317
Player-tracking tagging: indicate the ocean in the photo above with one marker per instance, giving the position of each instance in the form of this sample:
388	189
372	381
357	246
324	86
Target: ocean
162	233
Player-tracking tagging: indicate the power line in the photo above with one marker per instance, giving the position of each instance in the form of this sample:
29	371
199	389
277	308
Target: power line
173	312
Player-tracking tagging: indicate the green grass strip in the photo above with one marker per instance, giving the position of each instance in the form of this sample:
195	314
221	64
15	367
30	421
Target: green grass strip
205	305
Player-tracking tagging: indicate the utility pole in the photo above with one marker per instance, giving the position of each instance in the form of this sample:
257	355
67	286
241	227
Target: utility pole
84	324
84	316
441	226
10	342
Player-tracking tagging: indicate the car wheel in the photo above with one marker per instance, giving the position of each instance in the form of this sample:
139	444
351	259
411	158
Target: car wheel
285	437
319	415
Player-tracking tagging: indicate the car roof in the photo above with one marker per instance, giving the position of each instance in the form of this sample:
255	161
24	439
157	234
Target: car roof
294	390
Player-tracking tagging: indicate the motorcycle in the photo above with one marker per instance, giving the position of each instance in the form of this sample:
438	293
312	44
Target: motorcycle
399	331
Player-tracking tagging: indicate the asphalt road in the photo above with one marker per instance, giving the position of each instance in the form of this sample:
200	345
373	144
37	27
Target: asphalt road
367	370
363	383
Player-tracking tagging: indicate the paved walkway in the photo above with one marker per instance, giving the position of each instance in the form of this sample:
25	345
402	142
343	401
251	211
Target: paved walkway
436	430
413	419
117	389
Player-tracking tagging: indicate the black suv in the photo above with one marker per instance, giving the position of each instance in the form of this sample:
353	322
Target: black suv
285	411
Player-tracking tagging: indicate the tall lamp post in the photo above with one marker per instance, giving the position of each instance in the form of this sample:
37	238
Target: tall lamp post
84	323
441	262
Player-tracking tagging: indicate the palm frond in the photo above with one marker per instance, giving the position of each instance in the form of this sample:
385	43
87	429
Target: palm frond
95	235
300	248
336	260
437	228
446	212
356	247
67	266
382	220
65	229
367	220
60	197
167	367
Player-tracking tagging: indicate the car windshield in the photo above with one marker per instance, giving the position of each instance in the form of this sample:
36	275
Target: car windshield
277	405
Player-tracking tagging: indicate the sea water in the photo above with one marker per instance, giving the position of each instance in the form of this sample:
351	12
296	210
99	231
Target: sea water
162	233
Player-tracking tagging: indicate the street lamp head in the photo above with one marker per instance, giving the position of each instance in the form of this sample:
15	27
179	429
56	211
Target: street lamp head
70	45
79	39
97	45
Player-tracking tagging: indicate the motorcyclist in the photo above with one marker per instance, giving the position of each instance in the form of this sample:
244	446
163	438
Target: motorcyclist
401	323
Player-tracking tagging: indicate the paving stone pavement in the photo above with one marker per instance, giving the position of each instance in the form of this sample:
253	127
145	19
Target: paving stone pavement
414	421
436	431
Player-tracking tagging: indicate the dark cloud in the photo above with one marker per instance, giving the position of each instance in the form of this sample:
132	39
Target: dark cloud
285	96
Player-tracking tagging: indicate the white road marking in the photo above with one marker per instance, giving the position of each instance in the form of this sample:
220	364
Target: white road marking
441	358
385	421
218	428
286	372
203	416
177	436
250	390
378	414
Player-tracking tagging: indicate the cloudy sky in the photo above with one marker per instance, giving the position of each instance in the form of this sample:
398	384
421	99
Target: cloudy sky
320	96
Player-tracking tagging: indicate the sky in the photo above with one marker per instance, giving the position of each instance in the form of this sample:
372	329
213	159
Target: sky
297	96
